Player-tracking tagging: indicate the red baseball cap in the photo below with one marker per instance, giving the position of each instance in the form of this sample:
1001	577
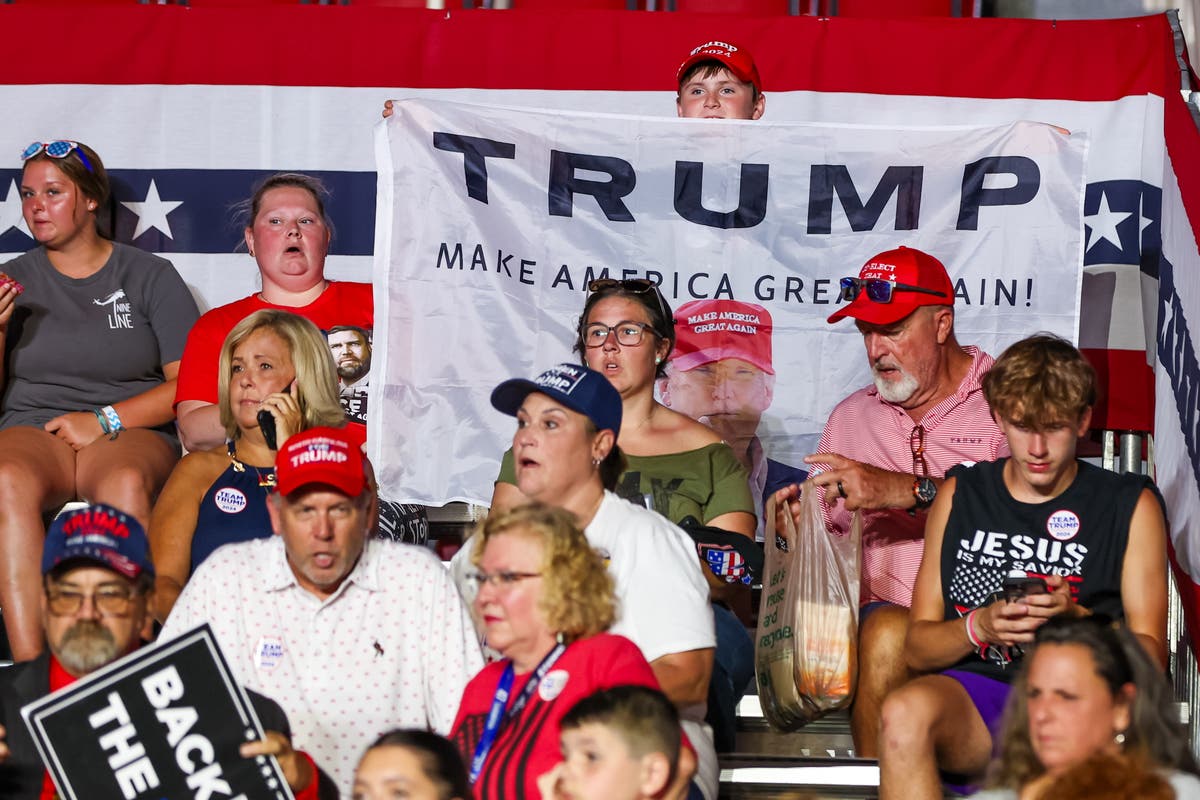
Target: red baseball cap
710	330
331	456
735	59
919	280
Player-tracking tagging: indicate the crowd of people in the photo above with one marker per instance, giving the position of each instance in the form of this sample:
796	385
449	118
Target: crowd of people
583	643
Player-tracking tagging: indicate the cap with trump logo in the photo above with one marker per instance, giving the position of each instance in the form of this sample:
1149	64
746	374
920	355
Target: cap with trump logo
735	59
101	534
330	456
716	329
575	386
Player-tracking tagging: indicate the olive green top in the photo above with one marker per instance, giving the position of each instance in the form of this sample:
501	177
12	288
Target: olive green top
703	483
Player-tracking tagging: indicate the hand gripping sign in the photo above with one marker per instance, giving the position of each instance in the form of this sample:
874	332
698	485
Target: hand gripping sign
165	721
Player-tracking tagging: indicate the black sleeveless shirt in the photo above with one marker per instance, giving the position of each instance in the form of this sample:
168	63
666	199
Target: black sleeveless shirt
1080	535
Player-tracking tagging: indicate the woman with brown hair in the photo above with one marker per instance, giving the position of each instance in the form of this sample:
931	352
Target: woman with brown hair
1091	704
673	465
91	353
566	455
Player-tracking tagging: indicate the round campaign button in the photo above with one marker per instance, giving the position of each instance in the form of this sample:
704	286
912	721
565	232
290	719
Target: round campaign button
553	684
230	500
1063	525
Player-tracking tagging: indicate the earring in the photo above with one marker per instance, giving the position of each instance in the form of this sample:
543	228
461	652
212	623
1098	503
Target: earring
91	206
560	638
1120	738
657	360
595	463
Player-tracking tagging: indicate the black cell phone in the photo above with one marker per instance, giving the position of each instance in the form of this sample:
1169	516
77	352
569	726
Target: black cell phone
266	424
1015	588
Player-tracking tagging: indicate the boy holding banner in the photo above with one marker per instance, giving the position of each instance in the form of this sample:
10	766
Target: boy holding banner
719	80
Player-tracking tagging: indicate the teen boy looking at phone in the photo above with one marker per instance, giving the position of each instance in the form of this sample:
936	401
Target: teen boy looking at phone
1097	539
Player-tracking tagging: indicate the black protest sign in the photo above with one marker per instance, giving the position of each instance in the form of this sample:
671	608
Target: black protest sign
164	722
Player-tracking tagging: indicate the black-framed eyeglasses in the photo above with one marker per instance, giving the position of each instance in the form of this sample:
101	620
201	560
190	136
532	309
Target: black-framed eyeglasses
628	333
59	148
501	580
635	286
916	443
113	602
879	290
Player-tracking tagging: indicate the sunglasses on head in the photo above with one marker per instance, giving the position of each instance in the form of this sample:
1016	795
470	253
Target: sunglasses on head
635	286
60	148
879	290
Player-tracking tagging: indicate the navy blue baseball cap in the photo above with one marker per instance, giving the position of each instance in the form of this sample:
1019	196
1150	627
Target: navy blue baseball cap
575	386
101	534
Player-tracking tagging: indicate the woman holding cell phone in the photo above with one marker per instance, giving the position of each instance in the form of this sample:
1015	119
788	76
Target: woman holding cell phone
277	378
93	331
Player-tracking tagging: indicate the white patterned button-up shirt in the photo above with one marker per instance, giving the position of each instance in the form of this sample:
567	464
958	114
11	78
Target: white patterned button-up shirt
392	647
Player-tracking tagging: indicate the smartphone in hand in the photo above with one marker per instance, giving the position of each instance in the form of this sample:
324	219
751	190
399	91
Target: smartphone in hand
1019	586
266	424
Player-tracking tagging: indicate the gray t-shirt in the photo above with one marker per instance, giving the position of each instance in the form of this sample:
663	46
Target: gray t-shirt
78	344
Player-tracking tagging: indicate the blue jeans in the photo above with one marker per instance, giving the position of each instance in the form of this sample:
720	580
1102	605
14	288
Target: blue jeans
733	668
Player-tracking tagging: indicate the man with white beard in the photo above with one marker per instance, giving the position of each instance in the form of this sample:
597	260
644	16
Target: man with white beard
98	588
887	446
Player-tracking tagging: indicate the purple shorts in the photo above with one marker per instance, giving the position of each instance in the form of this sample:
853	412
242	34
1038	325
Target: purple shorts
988	695
865	611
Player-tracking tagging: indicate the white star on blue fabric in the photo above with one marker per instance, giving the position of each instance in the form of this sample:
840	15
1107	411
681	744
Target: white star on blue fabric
1103	224
152	213
1145	222
10	211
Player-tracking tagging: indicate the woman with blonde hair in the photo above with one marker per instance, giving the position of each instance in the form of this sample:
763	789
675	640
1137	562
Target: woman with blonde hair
272	361
545	600
288	233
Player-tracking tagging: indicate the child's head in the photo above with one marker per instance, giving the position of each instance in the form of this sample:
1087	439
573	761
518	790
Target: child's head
719	81
619	744
1040	382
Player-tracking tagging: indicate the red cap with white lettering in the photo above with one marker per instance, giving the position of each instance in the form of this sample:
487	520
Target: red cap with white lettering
917	278
737	60
329	456
712	330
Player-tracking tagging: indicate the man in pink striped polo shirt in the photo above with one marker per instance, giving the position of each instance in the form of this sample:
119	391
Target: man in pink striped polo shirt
887	446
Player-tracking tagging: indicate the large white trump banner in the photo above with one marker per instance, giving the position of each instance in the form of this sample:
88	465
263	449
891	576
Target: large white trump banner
491	222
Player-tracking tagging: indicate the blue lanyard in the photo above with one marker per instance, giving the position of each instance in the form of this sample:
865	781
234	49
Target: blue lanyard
497	716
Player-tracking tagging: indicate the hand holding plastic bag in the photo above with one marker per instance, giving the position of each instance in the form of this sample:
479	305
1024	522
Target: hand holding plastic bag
806	652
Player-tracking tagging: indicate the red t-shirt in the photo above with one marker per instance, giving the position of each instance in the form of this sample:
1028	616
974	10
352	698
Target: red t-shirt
526	747
342	303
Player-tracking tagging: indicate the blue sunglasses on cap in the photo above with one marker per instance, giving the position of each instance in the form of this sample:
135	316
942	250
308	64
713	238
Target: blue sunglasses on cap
60	148
879	290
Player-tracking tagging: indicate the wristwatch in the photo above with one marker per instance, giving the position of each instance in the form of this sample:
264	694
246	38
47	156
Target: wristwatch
924	489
